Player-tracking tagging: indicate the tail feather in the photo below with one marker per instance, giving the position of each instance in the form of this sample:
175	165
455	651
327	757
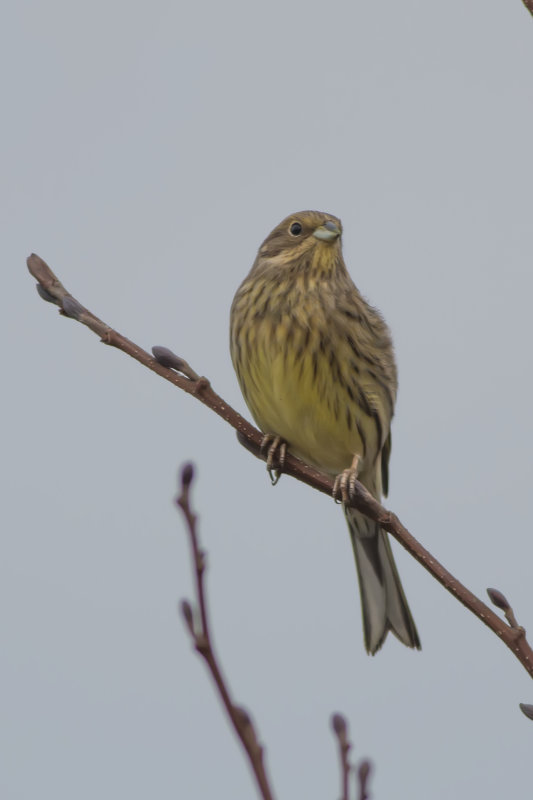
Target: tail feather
383	602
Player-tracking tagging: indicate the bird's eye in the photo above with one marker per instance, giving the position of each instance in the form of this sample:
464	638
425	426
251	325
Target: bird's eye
295	229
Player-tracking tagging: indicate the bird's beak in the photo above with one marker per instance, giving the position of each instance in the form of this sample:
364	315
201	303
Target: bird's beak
328	231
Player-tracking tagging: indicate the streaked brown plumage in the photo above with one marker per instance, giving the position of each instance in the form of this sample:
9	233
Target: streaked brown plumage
316	367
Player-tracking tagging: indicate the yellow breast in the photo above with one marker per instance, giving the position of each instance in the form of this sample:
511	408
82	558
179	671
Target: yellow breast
297	387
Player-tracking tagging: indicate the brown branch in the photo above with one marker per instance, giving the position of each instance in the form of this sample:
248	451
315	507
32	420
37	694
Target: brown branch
201	636
178	372
529	5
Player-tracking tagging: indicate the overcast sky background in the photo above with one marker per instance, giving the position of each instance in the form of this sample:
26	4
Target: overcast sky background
147	150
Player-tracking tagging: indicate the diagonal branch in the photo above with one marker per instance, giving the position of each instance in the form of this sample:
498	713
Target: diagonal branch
178	372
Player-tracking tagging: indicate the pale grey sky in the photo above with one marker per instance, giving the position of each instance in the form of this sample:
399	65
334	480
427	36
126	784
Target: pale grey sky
147	149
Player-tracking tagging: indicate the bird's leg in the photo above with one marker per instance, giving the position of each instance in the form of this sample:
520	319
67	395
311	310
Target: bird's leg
344	485
276	453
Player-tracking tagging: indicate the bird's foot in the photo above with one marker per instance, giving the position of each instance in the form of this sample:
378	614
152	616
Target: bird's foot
344	484
276	454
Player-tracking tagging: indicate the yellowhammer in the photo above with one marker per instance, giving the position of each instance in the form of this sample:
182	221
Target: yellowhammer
316	367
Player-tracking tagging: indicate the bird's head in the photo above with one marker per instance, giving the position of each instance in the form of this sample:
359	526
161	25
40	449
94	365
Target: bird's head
302	238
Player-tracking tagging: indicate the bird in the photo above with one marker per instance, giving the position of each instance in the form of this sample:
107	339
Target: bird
316	366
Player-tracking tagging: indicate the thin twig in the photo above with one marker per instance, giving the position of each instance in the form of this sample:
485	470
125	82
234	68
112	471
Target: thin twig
51	289
363	774
340	729
201	636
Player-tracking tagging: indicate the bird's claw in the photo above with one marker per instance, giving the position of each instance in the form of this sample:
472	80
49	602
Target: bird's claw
276	454
344	484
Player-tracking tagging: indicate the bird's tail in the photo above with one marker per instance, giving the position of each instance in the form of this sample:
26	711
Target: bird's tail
383	601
